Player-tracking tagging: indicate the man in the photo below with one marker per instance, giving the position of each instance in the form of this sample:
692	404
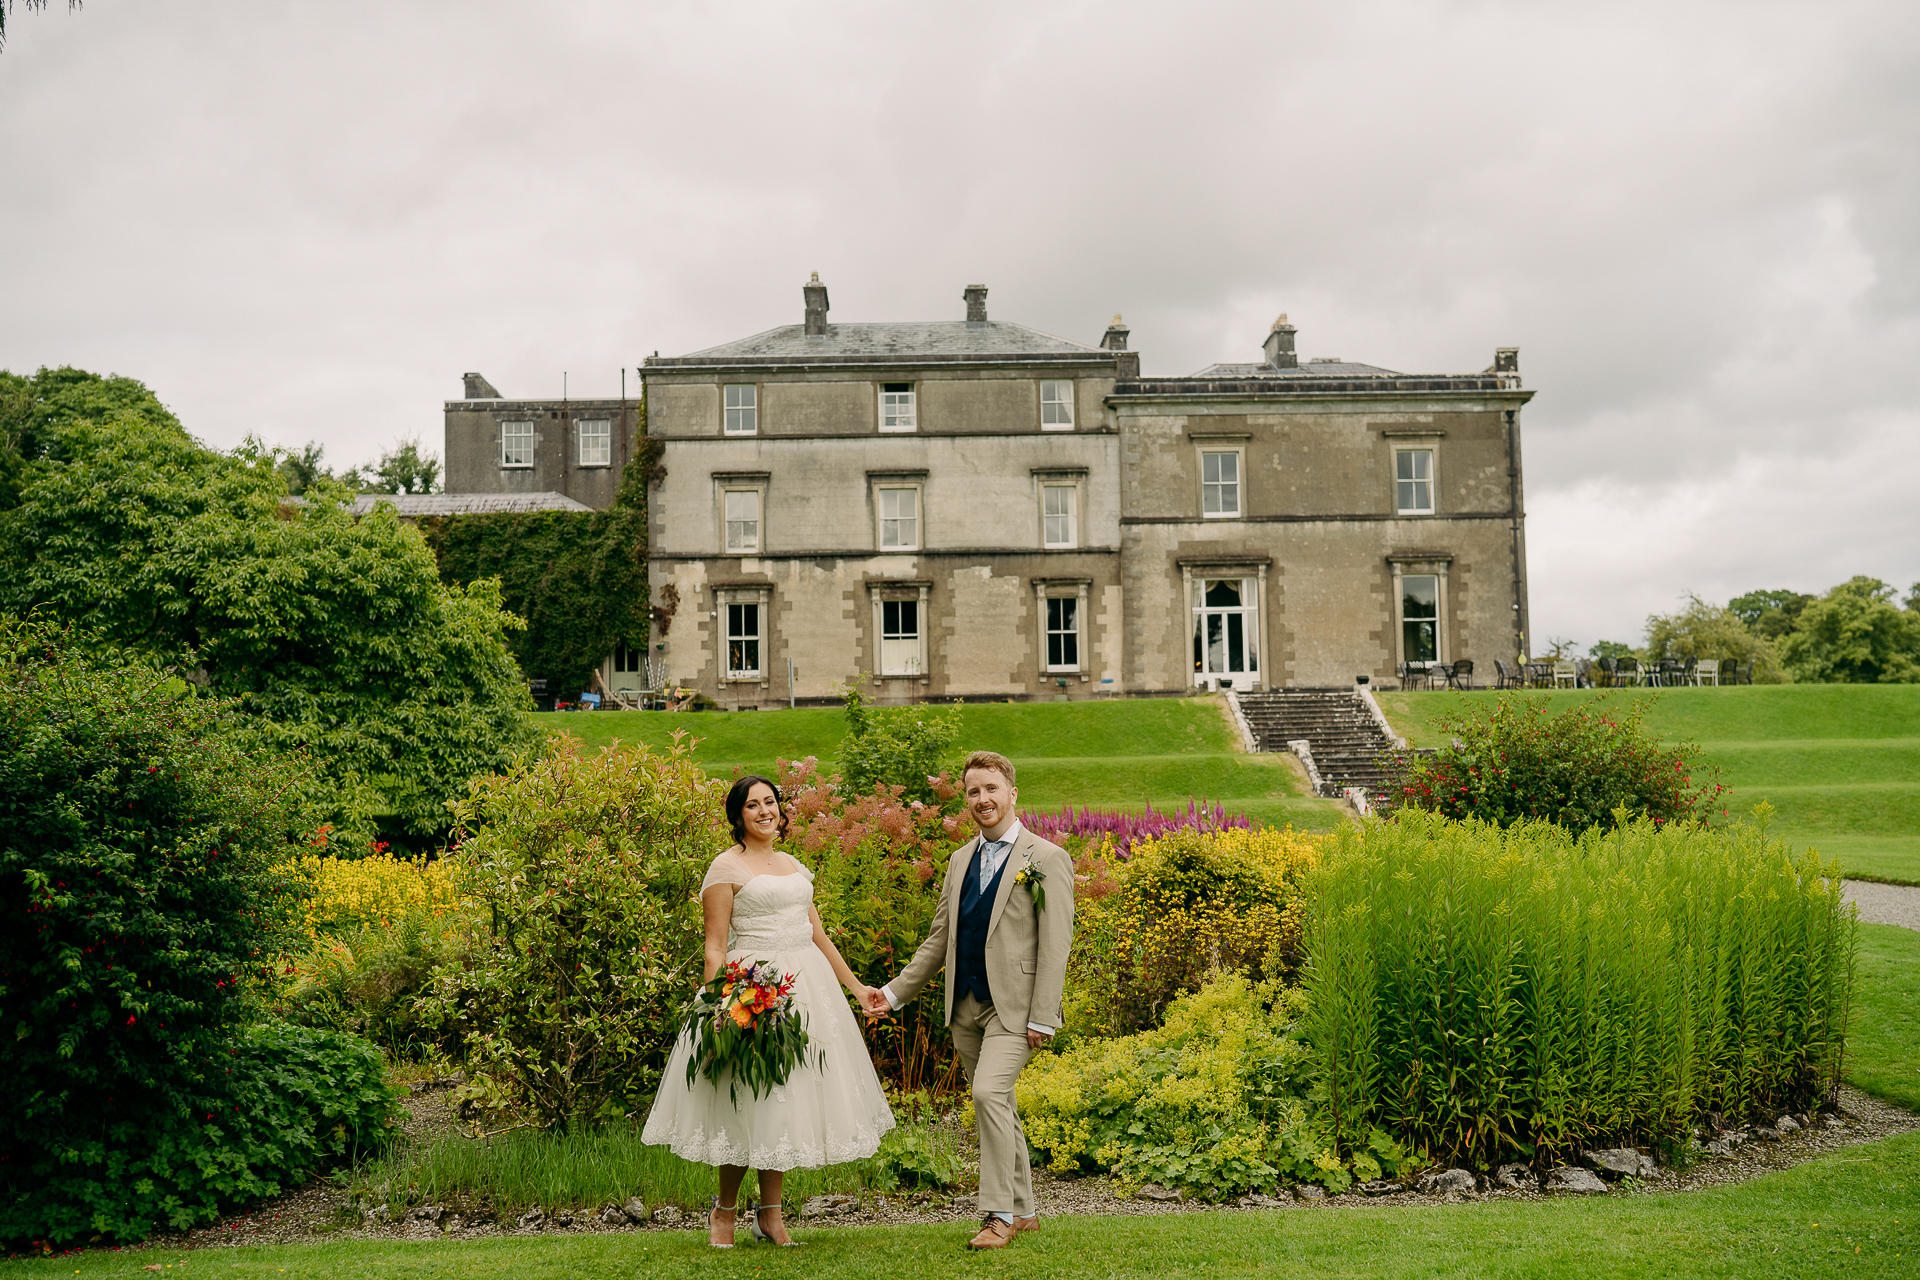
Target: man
1001	932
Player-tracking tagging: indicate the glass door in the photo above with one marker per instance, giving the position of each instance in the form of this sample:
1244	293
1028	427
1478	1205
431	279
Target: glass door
1225	633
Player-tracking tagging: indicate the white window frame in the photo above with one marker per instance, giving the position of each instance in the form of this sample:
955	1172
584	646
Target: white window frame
1056	413
740	409
1046	594
1402	487
902	656
1236	487
1433	568
598	431
522	430
885	525
732	610
899	407
1252	609
1059	529
736	538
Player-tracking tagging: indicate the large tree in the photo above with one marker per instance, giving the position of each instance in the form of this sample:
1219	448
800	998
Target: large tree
1855	634
334	633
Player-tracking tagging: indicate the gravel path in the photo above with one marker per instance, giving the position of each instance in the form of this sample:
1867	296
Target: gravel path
1886	903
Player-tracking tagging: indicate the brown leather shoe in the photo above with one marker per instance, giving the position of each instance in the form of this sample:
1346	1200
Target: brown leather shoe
995	1233
1029	1223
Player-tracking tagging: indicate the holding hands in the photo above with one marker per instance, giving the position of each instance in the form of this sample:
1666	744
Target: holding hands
873	1002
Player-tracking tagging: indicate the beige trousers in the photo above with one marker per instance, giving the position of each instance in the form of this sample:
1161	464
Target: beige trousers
993	1056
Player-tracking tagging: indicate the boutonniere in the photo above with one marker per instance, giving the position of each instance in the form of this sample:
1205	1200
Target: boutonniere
1033	879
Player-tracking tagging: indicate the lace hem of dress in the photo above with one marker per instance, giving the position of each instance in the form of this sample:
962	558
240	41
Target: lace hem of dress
721	1148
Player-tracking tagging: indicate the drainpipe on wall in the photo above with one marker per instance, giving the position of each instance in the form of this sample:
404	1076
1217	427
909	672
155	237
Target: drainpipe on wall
1513	518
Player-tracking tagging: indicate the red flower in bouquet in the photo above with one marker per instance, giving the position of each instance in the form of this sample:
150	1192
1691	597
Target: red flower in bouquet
744	1025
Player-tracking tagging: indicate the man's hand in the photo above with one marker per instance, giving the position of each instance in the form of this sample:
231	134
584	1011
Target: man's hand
1036	1038
873	1002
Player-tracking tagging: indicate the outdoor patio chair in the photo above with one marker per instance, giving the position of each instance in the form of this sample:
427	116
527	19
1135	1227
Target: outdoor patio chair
1502	675
1743	672
1412	677
1564	675
1583	673
1706	671
1540	675
1461	677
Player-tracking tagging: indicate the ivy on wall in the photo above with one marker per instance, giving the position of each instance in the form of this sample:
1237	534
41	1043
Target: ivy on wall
578	578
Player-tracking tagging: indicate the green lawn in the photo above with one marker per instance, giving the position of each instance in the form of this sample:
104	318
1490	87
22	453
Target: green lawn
1123	754
1883	1050
1839	763
1848	1214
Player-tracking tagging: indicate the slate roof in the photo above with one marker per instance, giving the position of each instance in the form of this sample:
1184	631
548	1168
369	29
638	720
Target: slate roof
937	339
466	504
1312	369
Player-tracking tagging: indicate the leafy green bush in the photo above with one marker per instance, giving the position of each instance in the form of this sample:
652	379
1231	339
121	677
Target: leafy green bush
139	902
368	982
1217	1100
1703	630
1855	634
1184	906
904	747
1490	993
585	875
1515	762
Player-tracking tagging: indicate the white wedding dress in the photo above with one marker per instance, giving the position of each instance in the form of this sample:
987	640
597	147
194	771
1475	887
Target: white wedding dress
831	1109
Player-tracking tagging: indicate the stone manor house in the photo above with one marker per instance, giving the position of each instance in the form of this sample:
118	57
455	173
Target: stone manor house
972	509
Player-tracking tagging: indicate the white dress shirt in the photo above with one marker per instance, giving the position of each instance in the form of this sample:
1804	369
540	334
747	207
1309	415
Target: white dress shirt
992	855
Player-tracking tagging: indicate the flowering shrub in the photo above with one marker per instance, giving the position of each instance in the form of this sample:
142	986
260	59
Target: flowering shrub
1121	831
904	748
879	860
377	890
1517	762
1217	1100
584	874
1185	905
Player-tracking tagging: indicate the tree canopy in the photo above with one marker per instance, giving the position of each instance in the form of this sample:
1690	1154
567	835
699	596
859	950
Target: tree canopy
1855	634
335	634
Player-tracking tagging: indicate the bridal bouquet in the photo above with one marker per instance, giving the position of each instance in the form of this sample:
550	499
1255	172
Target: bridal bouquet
744	1026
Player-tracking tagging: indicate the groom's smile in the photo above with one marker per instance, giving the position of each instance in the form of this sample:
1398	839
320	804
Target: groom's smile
989	801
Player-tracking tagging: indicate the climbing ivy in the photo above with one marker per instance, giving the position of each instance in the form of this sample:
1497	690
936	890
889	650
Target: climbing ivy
579	578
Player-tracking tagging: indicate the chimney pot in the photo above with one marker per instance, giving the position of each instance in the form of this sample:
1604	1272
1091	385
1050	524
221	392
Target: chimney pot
815	294
1116	335
1279	345
976	296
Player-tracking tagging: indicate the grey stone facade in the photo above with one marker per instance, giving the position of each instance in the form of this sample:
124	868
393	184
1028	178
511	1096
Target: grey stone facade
973	509
576	448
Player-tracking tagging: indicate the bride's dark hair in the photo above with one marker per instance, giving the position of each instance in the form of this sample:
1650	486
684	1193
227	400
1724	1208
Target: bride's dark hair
737	806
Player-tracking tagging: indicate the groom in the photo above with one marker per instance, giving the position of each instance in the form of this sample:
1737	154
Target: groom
1001	932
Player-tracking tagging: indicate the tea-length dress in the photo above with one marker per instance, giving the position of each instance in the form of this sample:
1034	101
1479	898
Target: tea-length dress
831	1109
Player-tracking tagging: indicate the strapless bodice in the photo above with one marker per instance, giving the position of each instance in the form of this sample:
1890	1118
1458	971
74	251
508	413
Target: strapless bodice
770	914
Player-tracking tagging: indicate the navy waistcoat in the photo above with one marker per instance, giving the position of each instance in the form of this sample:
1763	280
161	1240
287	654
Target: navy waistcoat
976	912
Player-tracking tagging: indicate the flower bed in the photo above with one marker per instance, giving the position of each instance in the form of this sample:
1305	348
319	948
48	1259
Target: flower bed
1120	832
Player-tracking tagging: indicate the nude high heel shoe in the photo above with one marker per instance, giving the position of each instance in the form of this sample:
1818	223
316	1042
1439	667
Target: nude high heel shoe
713	1207
759	1233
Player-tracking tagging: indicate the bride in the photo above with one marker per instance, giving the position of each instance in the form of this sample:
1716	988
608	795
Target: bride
758	904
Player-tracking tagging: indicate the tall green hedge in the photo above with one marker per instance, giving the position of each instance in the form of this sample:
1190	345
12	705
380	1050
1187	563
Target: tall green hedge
578	578
1493	993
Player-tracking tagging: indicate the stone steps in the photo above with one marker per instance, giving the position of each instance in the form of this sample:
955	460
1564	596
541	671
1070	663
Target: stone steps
1344	738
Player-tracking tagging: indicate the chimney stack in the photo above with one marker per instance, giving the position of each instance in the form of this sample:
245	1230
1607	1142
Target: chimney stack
816	295
1116	335
976	296
1279	345
478	388
1506	360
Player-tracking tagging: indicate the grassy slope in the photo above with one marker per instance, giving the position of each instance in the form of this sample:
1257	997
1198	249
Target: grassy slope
1103	755
1804	1222
1839	763
1883	1051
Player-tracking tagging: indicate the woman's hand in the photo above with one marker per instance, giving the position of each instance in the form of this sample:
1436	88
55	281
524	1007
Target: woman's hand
868	997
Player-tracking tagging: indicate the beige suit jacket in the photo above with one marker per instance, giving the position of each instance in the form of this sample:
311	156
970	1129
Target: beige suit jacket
1026	948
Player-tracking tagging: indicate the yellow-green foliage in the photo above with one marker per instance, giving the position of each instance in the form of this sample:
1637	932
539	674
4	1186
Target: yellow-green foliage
1214	1100
1180	908
1488	993
379	890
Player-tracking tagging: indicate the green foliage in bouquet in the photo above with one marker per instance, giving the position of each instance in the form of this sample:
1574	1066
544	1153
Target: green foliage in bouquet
139	910
1516	762
745	1030
1218	1100
1493	994
585	873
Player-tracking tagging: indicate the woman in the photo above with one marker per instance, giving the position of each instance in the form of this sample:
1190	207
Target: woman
758	904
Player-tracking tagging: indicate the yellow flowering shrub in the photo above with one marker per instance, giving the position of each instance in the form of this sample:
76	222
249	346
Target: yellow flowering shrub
377	890
1184	906
1214	1100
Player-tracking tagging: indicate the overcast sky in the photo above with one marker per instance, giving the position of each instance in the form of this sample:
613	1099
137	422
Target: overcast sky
1699	222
